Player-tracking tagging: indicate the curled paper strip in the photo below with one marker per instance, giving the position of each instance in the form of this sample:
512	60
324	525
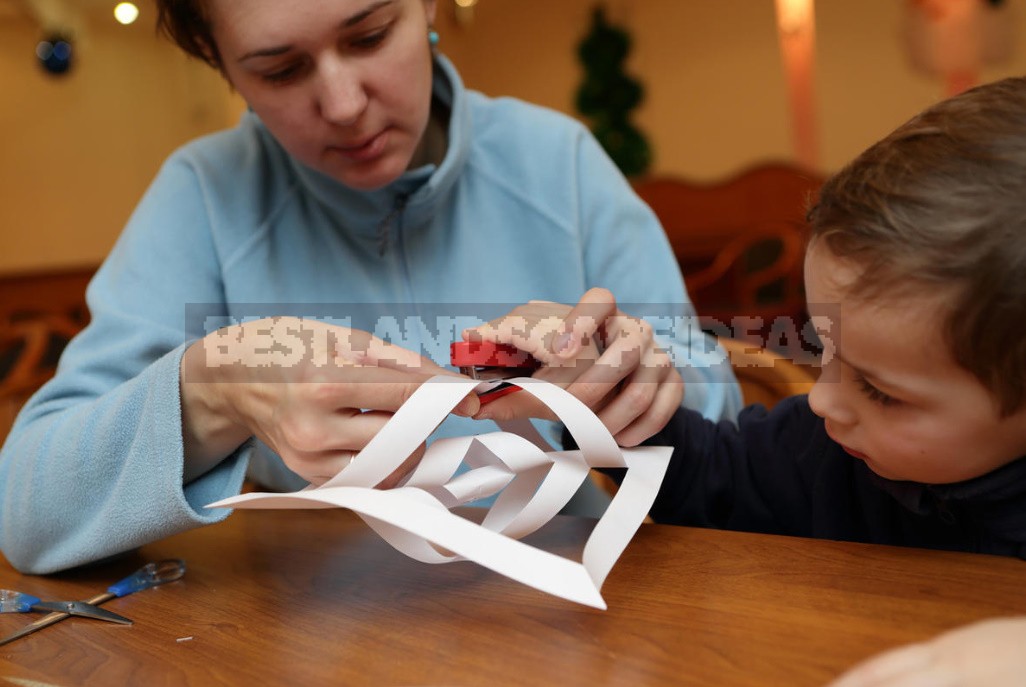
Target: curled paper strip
532	483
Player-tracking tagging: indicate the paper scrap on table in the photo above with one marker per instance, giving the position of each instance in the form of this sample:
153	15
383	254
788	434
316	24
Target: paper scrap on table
532	481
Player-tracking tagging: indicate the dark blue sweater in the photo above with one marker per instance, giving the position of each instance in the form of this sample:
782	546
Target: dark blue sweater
778	472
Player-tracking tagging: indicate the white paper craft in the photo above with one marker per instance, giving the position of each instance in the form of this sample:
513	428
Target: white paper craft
535	483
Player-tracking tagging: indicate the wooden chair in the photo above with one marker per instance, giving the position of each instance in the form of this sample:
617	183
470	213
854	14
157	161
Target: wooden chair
764	376
59	291
29	350
701	218
739	242
39	313
758	273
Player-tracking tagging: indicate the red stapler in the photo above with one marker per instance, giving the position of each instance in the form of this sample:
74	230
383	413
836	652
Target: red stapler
491	362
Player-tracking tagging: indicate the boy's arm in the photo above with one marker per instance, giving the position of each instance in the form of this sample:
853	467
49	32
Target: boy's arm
755	476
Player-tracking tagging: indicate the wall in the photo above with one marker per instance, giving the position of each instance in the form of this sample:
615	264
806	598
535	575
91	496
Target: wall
76	153
714	91
716	97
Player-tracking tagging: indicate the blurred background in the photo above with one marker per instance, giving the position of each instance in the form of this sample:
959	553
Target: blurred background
79	147
726	116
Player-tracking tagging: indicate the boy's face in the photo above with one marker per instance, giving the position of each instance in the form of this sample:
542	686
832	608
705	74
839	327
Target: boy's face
892	395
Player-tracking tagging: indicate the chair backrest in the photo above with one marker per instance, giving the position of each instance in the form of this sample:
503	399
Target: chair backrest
29	350
757	273
701	218
764	376
739	242
39	313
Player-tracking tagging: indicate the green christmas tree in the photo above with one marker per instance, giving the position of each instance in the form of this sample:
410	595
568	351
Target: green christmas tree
608	95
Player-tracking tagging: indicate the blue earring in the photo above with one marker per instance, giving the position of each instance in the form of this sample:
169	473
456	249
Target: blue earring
432	38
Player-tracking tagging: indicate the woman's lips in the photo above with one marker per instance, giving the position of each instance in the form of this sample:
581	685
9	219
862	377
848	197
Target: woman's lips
368	150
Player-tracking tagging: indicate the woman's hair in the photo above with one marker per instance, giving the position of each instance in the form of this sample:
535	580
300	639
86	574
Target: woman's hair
186	23
939	206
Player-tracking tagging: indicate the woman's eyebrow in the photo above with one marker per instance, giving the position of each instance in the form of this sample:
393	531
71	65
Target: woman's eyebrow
265	52
364	13
346	23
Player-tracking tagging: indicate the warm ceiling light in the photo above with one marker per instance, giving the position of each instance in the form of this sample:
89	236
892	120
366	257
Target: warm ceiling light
796	21
126	12
466	3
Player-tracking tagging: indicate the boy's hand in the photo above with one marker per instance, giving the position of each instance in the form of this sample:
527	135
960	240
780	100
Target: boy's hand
601	355
984	654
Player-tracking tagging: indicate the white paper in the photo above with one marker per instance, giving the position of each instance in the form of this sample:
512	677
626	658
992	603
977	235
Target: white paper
532	483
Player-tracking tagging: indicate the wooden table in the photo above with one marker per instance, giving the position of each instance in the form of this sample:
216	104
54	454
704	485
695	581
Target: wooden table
316	598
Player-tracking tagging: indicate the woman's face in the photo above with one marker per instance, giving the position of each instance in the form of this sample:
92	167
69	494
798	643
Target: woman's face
344	85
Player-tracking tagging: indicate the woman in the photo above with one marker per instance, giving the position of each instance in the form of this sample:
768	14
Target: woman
366	191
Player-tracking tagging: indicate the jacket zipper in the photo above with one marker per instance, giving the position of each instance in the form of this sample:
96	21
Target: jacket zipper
393	224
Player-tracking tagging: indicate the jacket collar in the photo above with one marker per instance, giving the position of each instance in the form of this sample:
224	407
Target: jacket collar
997	500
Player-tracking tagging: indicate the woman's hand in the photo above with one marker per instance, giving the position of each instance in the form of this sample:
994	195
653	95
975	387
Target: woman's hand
985	654
315	393
606	358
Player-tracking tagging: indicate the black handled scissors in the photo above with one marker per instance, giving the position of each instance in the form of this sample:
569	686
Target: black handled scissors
149	575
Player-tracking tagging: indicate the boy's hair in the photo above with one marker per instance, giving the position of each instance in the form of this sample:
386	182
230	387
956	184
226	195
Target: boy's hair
939	206
186	23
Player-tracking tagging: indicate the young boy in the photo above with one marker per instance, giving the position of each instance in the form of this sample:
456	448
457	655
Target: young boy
915	433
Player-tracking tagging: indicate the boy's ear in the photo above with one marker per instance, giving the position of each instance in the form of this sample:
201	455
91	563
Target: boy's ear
430	8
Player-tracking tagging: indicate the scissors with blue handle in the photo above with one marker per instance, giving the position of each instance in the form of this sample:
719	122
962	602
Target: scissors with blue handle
147	576
19	602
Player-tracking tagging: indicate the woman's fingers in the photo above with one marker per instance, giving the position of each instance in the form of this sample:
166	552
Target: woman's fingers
625	350
513	406
530	328
407	466
319	451
549	331
365	387
606	358
318	468
667	398
315	393
583	322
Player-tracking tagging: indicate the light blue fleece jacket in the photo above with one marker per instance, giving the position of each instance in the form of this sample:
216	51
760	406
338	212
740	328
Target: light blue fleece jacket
525	205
